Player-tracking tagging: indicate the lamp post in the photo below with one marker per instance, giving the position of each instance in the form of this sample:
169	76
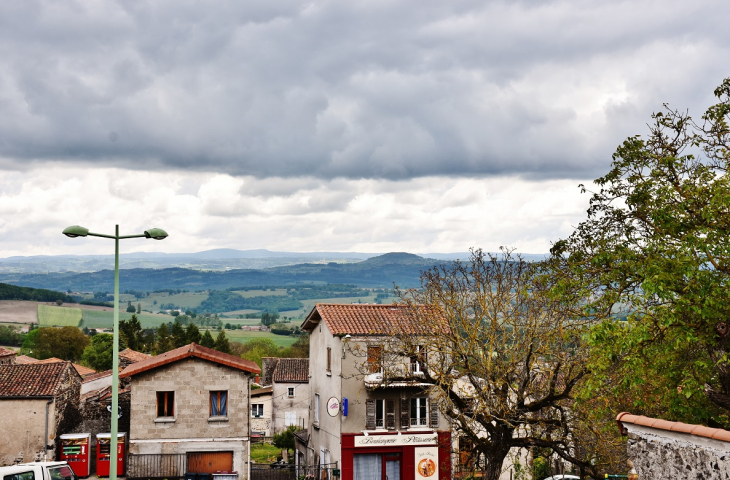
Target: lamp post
154	233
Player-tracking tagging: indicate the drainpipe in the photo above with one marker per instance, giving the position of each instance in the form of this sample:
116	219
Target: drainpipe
45	438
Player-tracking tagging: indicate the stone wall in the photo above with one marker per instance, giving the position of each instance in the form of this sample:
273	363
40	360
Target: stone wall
661	454
97	417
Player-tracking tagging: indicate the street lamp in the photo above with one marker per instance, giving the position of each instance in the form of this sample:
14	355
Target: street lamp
156	234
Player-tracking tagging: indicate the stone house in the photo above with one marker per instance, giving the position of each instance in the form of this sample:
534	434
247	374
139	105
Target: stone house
7	356
261	422
357	421
193	401
38	403
289	378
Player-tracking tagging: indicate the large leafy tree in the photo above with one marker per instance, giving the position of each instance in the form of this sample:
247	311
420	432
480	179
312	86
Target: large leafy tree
66	343
98	355
498	357
651	261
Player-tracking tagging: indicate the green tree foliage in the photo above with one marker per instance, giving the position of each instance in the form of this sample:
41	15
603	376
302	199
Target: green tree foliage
130	308
12	292
192	333
66	343
300	348
179	338
268	318
10	335
139	308
131	333
221	343
98	355
207	340
164	340
258	348
654	251
285	439
227	301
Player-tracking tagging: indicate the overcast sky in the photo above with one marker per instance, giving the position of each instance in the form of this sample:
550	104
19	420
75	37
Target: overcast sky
372	126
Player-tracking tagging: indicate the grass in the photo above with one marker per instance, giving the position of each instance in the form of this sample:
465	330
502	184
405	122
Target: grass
264	452
184	300
51	316
261	293
105	319
242	336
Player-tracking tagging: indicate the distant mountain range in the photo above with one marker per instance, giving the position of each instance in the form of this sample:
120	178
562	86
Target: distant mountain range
220	259
220	269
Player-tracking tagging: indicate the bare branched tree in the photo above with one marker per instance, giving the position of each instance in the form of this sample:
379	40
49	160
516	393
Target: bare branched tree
496	355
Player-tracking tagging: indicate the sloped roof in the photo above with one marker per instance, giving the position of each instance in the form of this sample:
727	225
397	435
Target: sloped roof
679	427
96	376
257	392
24	360
133	355
83	371
6	352
187	351
292	370
32	380
363	319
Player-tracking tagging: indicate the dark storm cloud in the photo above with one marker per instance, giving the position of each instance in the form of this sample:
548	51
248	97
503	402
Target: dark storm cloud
357	89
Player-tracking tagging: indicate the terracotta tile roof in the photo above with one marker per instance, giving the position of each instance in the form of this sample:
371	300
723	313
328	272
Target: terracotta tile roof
292	370
96	376
24	360
83	371
191	350
679	427
95	393
257	392
359	319
133	355
32	380
6	352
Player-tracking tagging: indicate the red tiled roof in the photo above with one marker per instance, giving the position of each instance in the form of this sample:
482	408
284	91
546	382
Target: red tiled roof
32	380
83	371
5	352
51	360
24	360
292	370
261	391
133	355
358	319
191	350
96	376
679	427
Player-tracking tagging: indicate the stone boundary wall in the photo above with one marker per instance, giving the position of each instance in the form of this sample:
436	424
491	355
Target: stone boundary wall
667	450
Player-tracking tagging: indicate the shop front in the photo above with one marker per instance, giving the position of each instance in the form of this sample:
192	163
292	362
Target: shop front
396	456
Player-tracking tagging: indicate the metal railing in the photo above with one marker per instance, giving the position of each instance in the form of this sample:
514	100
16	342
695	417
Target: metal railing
293	472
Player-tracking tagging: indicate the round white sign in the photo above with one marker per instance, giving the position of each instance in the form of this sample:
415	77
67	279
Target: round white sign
333	406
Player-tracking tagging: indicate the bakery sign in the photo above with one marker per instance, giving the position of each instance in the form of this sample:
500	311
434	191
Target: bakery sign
426	460
396	440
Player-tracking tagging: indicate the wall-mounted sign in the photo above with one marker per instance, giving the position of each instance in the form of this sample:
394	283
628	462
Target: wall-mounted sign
426	460
333	406
396	440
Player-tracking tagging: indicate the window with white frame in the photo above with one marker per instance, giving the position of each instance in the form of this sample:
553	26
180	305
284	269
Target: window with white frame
290	392
257	410
379	413
419	412
418	361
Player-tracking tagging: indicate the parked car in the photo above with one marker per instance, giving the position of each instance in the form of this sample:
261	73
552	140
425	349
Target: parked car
279	464
563	477
38	471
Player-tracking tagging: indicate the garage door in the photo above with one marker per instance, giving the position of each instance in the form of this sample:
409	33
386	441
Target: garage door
210	462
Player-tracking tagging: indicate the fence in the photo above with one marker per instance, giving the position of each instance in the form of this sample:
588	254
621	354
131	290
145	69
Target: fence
162	465
292	472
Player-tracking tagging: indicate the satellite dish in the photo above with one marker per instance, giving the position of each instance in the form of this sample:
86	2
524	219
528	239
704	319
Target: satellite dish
109	409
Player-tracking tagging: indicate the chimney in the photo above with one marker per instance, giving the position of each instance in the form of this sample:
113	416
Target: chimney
257	380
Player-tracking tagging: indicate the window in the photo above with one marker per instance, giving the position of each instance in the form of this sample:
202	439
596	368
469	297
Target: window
375	358
257	410
290	418
165	404
418	361
219	404
316	408
290	392
21	476
419	412
61	472
329	360
379	413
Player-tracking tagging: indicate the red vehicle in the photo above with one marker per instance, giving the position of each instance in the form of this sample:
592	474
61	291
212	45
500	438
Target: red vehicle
103	453
76	451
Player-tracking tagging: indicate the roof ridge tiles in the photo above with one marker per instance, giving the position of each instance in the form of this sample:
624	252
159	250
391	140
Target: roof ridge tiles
678	427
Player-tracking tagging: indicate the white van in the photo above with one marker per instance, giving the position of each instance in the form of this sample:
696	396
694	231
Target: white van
38	471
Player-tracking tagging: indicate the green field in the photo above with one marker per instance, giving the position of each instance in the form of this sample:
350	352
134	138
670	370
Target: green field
105	319
52	316
242	336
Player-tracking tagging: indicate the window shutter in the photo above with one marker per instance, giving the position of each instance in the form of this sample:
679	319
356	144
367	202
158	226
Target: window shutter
405	421
370	414
433	415
390	414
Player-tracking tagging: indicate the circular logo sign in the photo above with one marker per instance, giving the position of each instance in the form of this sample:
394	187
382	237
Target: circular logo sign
426	467
333	406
